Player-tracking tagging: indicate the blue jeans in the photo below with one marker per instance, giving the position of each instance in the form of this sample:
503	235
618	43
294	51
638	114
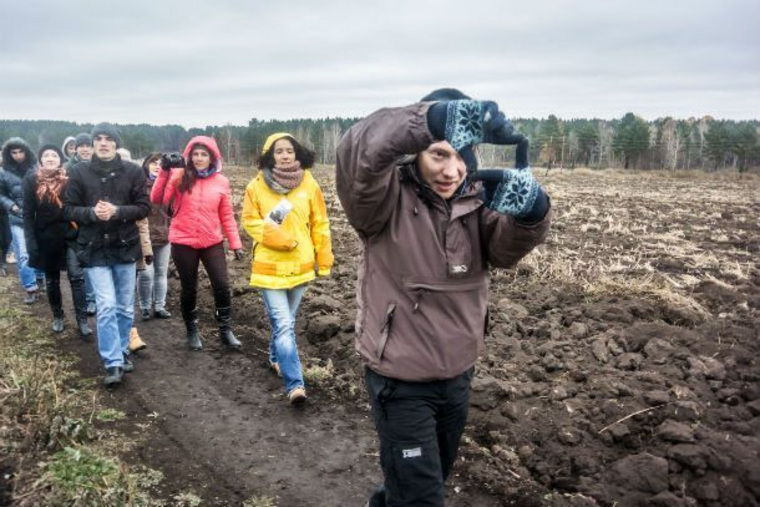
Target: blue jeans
27	274
151	281
282	306
114	288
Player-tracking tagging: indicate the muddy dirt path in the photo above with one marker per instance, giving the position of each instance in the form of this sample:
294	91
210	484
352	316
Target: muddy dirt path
217	423
621	367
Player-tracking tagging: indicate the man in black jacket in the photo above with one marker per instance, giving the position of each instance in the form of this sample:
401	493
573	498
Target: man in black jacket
18	161
106	196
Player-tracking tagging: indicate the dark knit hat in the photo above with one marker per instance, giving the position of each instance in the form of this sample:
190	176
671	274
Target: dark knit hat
107	129
444	94
83	139
50	147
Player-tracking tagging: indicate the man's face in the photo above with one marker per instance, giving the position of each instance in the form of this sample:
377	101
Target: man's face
105	147
18	155
84	151
442	168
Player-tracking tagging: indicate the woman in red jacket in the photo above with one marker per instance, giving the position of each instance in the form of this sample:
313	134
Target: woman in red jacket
201	207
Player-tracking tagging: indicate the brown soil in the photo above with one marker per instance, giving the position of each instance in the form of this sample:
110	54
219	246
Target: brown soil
621	367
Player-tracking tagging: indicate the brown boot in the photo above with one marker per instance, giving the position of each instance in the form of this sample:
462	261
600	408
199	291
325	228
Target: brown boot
135	342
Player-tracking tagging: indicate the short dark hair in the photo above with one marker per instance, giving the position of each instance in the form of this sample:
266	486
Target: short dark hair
303	155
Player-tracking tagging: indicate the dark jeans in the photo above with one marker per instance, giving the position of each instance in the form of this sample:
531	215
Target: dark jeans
419	425
76	280
186	260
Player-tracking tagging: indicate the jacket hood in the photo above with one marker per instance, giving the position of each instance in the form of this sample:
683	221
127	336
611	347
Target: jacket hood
70	139
208	142
13	143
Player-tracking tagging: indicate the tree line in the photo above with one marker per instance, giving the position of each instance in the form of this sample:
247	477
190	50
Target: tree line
629	142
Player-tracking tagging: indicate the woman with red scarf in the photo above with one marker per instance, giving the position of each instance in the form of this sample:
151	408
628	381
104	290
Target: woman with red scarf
47	235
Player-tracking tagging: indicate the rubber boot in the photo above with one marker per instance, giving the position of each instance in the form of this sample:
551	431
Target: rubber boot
224	319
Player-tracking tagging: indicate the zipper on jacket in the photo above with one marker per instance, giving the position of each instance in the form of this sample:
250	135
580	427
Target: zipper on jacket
420	293
385	330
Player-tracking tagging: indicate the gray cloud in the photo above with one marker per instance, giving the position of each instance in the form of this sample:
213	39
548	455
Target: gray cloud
197	62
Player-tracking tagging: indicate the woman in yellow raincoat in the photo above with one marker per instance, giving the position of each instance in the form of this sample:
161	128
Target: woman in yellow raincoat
284	212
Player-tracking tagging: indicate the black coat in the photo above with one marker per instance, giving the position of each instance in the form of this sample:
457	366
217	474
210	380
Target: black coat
122	183
45	229
12	177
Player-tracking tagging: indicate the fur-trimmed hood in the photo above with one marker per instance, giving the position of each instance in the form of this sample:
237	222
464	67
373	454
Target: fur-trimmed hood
9	164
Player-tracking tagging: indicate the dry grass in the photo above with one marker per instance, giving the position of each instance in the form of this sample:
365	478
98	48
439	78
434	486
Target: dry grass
648	234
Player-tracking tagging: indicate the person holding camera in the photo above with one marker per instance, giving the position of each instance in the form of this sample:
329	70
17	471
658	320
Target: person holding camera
407	179
284	212
198	197
152	281
106	196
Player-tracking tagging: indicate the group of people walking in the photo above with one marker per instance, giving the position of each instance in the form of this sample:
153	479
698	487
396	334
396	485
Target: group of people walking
430	221
85	217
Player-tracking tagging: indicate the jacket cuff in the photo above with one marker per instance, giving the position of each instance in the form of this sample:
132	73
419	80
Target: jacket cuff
539	210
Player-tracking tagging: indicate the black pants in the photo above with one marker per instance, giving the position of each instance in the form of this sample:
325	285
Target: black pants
186	259
419	425
76	280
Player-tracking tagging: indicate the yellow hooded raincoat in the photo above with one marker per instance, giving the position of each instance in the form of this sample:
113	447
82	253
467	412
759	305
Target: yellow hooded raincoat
287	255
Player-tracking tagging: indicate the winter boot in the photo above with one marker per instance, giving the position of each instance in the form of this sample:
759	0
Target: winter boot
193	335
135	342
224	319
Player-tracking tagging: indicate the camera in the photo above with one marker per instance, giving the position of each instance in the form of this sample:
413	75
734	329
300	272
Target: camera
172	160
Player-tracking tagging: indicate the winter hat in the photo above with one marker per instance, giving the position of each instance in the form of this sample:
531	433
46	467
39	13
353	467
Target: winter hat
273	139
445	94
50	147
83	139
107	129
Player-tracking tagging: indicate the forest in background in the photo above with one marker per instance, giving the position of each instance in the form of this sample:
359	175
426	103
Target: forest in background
628	142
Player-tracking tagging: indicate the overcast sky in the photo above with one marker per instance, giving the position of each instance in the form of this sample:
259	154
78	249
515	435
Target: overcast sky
197	62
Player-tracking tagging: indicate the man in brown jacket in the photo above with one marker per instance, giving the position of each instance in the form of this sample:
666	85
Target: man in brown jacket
407	180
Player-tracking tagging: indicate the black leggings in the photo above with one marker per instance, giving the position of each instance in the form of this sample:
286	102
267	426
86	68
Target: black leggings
186	259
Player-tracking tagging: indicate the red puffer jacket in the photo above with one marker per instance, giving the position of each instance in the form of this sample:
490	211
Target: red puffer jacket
202	213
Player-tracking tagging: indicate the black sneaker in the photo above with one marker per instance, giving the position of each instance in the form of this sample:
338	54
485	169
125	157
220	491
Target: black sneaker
162	313
129	367
113	376
145	314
